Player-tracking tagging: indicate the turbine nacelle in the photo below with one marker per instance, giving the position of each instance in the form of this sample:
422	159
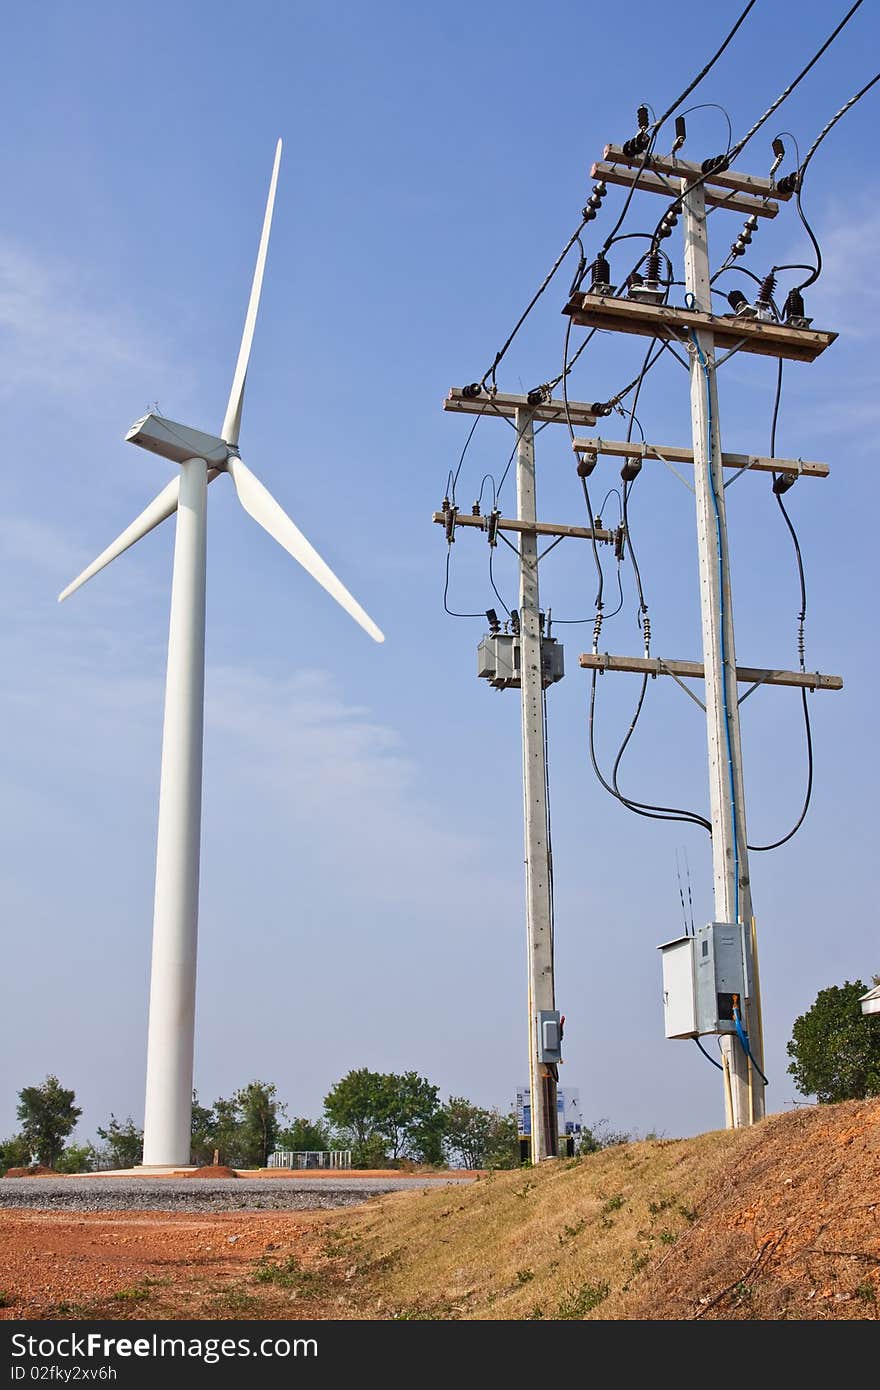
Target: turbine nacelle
177	442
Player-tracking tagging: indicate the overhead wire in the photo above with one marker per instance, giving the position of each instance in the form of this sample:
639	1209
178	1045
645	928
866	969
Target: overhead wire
787	91
802	615
449	610
640	808
575	237
711	166
703	71
802	168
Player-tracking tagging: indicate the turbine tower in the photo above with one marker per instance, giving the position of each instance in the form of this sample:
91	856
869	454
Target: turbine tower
201	457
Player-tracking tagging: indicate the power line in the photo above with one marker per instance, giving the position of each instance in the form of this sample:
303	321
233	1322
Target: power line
714	165
783	95
802	615
802	169
702	73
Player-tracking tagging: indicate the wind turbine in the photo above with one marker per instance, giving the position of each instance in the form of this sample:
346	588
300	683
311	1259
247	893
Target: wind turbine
202	457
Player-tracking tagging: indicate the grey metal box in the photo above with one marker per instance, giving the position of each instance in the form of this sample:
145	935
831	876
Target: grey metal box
549	1035
720	973
498	660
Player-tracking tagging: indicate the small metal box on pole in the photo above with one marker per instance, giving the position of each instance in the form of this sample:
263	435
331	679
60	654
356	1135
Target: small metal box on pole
704	977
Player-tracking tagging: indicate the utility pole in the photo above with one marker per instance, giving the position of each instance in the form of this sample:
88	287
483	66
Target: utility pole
539	906
529	661
734	1017
730	861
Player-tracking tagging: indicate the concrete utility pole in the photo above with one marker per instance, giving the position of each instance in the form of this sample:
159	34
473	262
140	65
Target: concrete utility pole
642	310
733	897
539	907
539	665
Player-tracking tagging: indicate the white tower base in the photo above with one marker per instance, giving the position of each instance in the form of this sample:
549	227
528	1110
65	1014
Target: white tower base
168	1113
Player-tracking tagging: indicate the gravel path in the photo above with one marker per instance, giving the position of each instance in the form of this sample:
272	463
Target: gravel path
201	1194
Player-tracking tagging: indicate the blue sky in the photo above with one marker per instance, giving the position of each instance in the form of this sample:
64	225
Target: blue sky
362	897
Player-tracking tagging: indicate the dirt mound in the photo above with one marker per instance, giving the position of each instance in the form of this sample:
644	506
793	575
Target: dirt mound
791	1229
778	1222
213	1170
36	1170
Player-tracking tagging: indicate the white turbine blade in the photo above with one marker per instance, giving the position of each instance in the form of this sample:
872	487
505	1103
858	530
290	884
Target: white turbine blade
159	509
232	418
261	505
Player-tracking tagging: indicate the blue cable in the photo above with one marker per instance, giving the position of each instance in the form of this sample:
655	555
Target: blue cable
705	366
744	1040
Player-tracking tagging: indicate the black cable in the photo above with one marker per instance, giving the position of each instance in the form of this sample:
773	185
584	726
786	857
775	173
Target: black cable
564	379
814	274
802	169
639	808
704	106
494	586
446	592
711	166
654	129
642	808
708	1055
833	122
700	75
464	451
741	144
801	620
487	478
774	420
532	302
556	380
632	188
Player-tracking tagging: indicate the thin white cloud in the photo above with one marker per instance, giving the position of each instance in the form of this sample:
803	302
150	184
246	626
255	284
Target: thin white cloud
52	335
291	754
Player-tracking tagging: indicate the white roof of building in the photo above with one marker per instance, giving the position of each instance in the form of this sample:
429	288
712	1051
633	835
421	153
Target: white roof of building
870	1001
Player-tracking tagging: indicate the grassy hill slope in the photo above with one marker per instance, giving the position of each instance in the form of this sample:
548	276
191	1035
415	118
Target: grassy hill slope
781	1221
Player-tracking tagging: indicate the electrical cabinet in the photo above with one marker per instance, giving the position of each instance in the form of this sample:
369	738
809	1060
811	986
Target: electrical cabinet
703	976
679	997
549	1035
498	660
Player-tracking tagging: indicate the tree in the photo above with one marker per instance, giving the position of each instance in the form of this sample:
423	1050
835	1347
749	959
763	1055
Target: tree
123	1143
243	1129
384	1113
356	1105
14	1153
48	1116
600	1135
304	1136
258	1110
410	1108
835	1048
226	1129
77	1158
468	1132
202	1143
502	1149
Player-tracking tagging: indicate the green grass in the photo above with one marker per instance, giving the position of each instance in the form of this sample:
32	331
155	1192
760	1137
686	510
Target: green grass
582	1299
291	1275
